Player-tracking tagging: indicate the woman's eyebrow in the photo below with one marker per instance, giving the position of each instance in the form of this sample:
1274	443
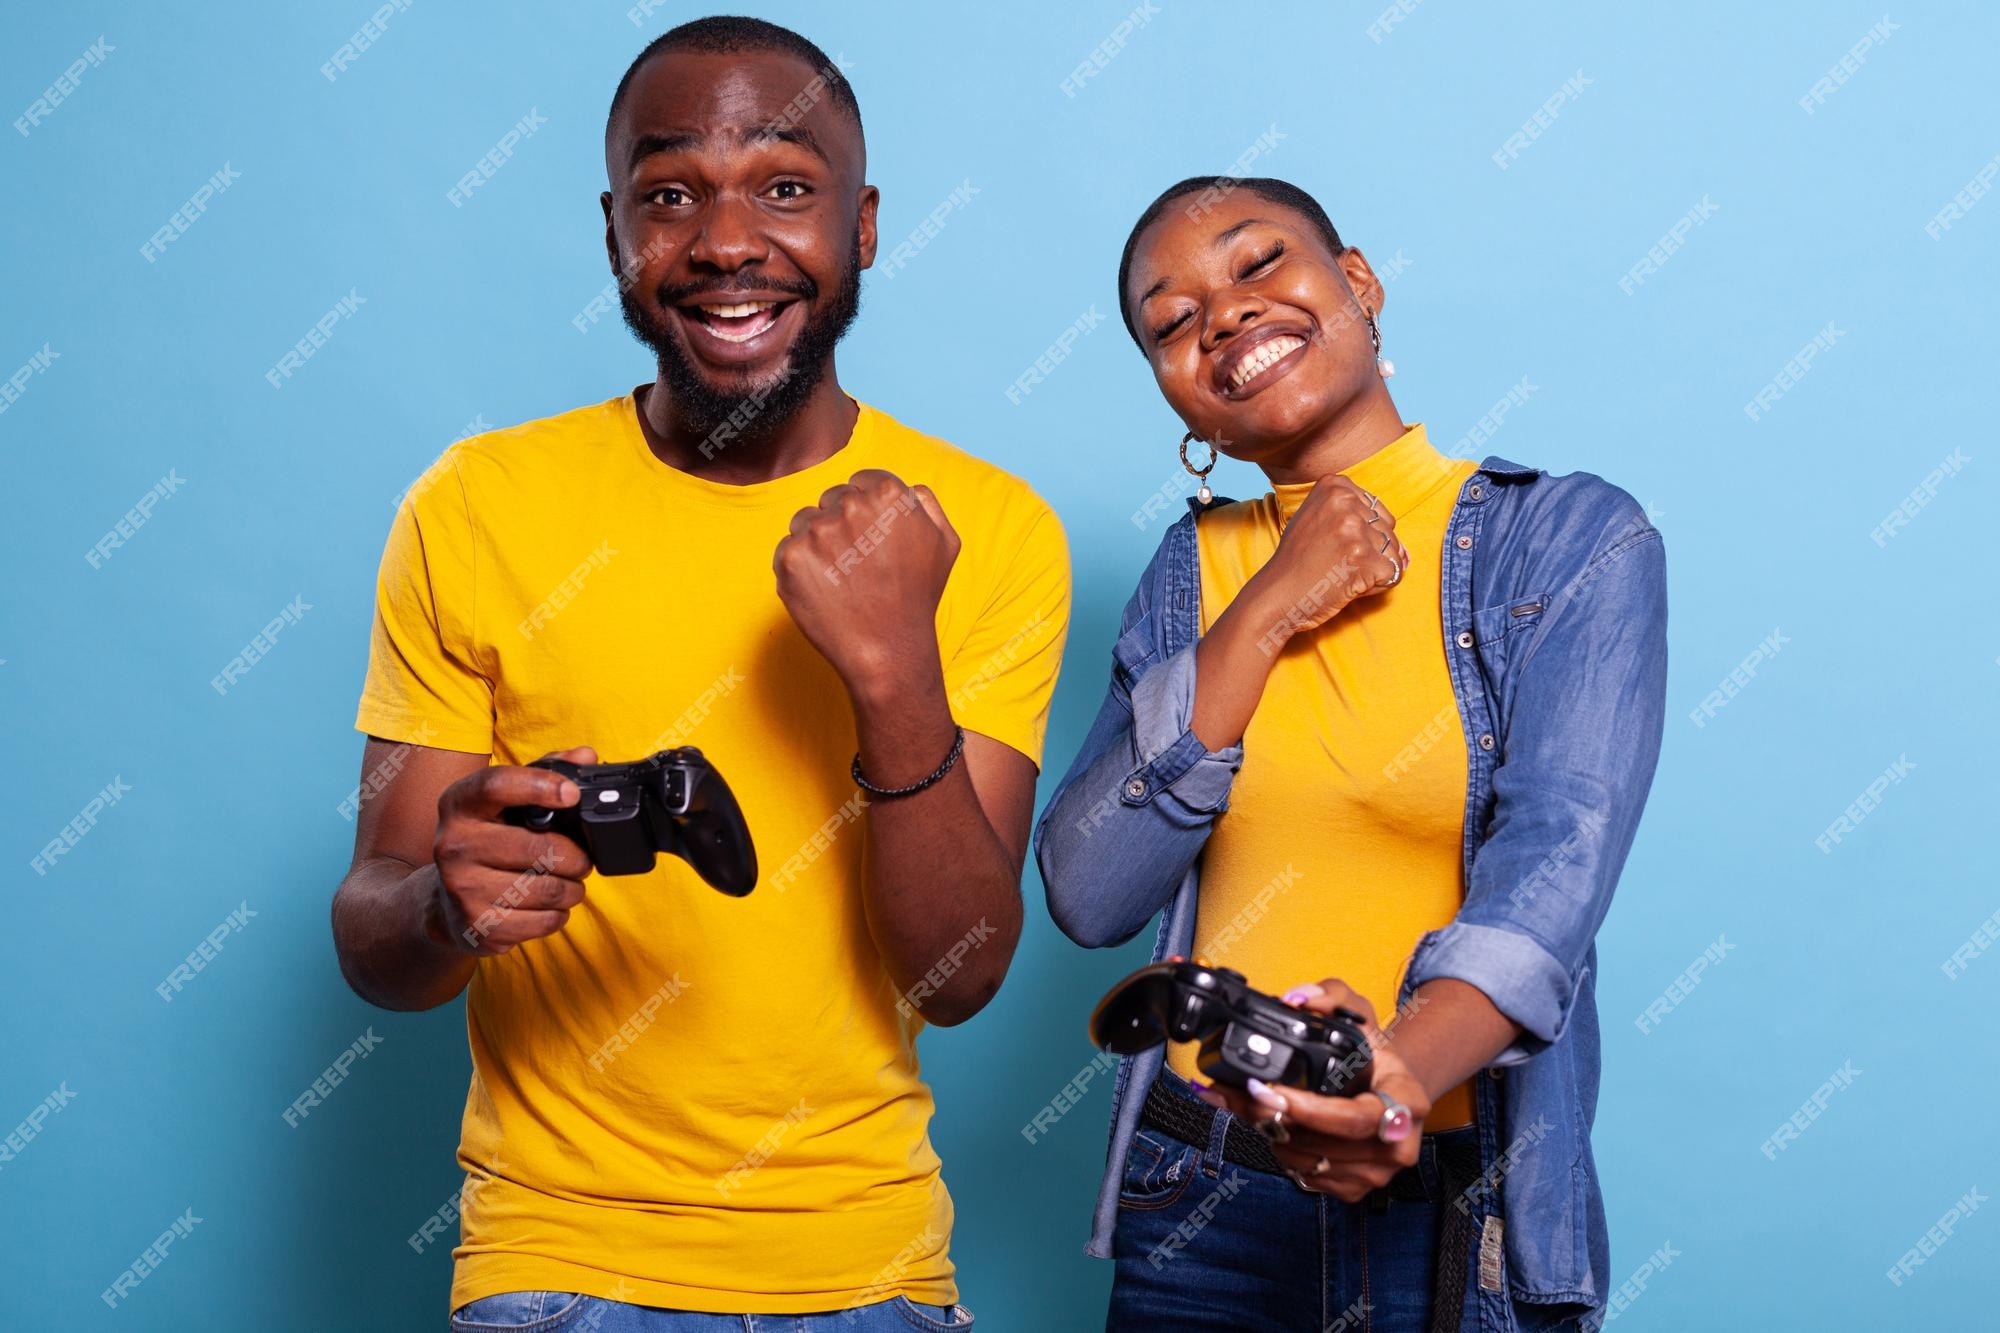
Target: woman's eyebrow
1222	238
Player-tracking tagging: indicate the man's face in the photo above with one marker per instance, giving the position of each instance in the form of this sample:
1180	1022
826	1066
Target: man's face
739	224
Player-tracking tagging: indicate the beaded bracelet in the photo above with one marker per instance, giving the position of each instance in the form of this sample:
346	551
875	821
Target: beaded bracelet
957	745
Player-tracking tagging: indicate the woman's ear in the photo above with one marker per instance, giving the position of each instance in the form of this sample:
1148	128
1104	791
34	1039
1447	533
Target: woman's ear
1361	279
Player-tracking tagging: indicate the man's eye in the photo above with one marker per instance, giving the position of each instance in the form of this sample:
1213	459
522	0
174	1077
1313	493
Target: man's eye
668	195
789	190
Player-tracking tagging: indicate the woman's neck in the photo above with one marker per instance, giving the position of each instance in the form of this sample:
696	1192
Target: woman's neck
1372	423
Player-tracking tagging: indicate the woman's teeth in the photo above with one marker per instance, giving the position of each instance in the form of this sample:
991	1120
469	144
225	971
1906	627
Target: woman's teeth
1266	355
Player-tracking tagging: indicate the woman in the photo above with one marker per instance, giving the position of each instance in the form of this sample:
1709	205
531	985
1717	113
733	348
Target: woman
1378	739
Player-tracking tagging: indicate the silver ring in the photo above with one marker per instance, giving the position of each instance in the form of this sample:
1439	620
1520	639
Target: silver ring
1274	1128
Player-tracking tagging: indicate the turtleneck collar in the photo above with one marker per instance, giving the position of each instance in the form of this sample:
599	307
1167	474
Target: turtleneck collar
1401	473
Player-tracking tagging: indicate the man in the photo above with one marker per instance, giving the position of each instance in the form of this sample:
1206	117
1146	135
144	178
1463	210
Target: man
686	1105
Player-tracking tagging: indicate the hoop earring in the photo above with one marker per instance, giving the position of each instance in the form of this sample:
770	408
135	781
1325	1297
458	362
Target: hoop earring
1204	494
1383	365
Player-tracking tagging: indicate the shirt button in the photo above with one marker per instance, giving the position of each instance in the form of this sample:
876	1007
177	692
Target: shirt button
1486	741
1496	1072
1136	788
1478	491
1465	543
1465	638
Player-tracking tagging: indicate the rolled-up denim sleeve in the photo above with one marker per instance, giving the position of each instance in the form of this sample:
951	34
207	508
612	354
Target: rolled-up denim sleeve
1168	760
1578	759
1136	806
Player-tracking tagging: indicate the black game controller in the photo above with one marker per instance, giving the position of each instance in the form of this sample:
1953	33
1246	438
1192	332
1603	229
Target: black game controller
673	802
1244	1033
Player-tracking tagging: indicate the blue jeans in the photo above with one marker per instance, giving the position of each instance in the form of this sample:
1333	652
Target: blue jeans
1204	1243
567	1312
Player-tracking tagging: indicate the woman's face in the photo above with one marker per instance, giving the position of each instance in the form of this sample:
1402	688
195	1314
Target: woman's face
1251	323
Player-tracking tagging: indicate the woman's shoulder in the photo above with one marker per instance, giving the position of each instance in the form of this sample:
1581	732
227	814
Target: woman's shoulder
1581	513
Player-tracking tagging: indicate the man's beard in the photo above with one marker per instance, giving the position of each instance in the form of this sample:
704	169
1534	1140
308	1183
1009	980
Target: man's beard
758	409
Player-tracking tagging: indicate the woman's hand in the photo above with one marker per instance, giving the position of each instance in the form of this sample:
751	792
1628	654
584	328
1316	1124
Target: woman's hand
1332	1144
1340	546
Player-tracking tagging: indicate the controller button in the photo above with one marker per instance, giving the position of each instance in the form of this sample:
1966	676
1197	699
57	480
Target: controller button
1259	1043
608	795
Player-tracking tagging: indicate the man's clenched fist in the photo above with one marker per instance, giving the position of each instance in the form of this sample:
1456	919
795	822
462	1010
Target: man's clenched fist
862	571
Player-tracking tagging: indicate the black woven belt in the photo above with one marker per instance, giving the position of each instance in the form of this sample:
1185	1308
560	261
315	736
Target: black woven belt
1192	1121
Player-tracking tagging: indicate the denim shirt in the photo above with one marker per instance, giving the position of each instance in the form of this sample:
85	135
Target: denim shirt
1554	612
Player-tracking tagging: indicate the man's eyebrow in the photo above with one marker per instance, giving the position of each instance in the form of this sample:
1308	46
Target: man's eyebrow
783	132
777	131
671	142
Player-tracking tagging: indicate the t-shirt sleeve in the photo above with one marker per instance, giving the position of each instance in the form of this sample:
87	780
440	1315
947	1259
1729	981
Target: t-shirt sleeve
423	683
1000	679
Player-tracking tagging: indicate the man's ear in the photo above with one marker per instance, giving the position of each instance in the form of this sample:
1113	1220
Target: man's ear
869	199
610	231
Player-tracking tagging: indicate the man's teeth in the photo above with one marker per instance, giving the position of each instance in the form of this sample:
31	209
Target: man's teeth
1263	358
737	311
738	322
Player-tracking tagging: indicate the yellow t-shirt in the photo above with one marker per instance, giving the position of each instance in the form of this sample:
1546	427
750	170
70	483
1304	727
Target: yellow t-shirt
1342	843
683	1099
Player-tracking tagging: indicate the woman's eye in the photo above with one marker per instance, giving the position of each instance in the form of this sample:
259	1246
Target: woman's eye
1165	330
1264	261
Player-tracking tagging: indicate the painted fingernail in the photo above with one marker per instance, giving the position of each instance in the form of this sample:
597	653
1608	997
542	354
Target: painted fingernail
1266	1095
1300	994
1395	1127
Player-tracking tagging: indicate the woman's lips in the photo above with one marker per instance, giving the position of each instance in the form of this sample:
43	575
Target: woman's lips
1268	360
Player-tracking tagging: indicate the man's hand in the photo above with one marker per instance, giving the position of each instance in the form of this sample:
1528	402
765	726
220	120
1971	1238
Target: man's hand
861	574
1332	1146
499	885
1340	546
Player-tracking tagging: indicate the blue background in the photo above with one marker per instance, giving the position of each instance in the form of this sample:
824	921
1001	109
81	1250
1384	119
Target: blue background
1891	650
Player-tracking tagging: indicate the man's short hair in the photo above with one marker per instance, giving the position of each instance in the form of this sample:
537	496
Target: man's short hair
727	34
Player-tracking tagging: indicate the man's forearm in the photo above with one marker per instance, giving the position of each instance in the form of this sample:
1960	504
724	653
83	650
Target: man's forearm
386	951
1450	1032
943	893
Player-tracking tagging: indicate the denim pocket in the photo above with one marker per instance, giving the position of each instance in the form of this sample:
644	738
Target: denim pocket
1157	1170
519	1312
1497	629
918	1316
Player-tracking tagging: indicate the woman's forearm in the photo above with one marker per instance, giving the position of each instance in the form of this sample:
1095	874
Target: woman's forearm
1449	1032
1233	663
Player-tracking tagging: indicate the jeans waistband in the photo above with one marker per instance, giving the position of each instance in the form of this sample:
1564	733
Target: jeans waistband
1172	1108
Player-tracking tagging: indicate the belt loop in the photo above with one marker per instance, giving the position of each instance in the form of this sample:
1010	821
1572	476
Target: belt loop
1218	1133
1428	1169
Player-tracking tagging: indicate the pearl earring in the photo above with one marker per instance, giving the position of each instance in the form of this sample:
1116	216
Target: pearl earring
1383	365
1204	494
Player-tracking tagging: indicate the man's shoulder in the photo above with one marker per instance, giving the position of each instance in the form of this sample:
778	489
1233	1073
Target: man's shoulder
602	421
1000	497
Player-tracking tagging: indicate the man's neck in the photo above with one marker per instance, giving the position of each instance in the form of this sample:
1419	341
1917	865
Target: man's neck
1371	424
738	454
